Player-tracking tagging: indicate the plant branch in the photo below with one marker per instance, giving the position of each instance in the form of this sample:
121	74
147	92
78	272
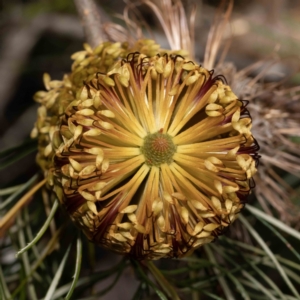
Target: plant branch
91	21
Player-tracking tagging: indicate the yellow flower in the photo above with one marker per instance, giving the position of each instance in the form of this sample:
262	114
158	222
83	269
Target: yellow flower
153	158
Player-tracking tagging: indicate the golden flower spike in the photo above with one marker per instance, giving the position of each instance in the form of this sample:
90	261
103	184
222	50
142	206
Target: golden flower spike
153	156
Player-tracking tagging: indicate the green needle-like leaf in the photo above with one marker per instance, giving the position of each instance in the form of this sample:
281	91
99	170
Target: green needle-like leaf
77	266
57	276
42	230
268	251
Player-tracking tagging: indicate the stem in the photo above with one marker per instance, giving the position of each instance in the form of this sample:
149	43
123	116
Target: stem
91	21
162	281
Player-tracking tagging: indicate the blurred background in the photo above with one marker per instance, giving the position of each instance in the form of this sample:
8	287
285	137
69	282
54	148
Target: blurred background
38	36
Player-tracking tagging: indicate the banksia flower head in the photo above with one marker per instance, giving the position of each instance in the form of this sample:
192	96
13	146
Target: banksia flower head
152	155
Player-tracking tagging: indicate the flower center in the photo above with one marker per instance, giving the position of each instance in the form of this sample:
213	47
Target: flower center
158	148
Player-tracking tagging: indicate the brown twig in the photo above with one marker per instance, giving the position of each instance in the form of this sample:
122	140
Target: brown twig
91	21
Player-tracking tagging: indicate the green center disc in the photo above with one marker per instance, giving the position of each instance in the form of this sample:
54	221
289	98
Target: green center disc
158	148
